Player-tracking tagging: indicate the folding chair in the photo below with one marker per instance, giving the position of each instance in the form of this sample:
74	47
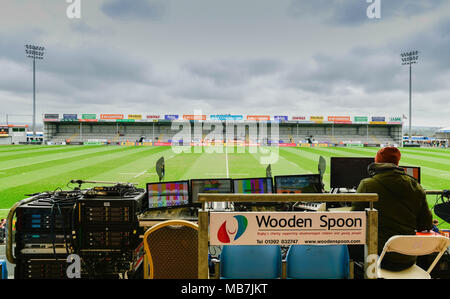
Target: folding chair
414	246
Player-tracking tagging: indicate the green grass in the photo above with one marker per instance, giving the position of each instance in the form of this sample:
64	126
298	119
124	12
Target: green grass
32	169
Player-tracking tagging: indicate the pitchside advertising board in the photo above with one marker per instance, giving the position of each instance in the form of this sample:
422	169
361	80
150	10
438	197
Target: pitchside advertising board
287	228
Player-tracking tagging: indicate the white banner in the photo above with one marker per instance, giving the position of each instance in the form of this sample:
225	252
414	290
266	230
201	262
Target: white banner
287	228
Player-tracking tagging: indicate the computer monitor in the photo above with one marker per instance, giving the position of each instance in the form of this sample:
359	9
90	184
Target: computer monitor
304	183
168	195
413	171
347	172
253	185
210	186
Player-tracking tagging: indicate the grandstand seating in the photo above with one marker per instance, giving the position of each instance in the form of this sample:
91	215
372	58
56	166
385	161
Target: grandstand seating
167	133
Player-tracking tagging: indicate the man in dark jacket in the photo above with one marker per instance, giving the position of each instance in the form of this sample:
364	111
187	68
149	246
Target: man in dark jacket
402	205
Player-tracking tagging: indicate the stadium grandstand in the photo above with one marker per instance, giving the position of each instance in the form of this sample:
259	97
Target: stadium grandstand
444	135
168	129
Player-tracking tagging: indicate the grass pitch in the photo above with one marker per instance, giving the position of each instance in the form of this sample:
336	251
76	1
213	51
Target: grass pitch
30	169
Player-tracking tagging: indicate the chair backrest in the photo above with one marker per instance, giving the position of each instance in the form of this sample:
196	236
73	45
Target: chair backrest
250	262
416	245
3	270
317	262
172	250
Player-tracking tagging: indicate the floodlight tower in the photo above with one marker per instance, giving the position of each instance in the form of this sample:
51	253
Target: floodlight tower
410	58
34	52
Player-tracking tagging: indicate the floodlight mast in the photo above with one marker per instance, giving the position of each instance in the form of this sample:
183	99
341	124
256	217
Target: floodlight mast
34	52
410	58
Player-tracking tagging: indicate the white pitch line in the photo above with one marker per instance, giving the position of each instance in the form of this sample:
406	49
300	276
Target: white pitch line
139	174
226	160
293	163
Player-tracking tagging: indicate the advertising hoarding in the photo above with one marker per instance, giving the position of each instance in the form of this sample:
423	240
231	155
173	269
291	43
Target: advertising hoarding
111	116
134	116
280	118
70	117
89	116
340	119
225	117
287	228
171	116
258	117
51	117
194	117
316	119
361	119
378	120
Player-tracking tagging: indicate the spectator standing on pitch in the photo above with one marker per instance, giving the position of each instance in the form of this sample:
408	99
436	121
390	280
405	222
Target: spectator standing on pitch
402	205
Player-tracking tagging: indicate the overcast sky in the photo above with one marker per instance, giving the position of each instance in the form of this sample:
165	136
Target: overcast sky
278	57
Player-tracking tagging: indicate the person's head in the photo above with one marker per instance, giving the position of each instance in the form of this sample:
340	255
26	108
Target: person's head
388	154
435	221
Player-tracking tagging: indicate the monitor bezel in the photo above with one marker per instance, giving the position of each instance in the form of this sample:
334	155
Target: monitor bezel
207	179
346	158
417	167
295	175
255	178
148	208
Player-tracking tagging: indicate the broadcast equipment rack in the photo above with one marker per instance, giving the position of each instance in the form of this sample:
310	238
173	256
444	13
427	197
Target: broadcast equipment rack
98	224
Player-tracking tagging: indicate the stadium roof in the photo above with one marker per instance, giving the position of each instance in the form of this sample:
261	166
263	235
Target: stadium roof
444	130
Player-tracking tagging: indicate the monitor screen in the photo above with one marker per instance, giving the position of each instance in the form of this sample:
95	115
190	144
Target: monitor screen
168	194
412	171
306	183
253	185
210	186
347	172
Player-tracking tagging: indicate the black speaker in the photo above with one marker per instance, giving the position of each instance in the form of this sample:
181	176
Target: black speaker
442	210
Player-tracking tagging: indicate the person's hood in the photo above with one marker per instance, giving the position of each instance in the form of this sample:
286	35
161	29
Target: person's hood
376	168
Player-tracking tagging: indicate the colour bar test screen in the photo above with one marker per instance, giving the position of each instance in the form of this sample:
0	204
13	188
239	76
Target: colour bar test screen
255	186
173	194
210	186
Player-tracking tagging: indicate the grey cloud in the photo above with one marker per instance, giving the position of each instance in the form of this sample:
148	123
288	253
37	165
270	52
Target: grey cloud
360	68
433	44
354	12
205	91
379	69
83	28
231	73
72	69
136	9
